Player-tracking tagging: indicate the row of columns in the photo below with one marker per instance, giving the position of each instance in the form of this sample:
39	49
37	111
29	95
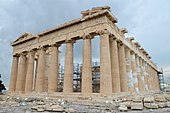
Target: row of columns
121	70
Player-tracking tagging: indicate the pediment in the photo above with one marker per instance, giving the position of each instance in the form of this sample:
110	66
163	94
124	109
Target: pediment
25	36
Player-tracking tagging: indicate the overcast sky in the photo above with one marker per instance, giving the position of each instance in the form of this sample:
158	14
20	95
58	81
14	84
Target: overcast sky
146	20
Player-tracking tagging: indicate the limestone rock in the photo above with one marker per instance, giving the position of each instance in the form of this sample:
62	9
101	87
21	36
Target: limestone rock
40	103
151	105
127	104
54	108
136	106
122	108
160	98
148	99
29	99
168	104
70	110
137	99
161	104
40	109
167	97
18	99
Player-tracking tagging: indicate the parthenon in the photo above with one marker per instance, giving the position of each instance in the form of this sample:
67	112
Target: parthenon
125	66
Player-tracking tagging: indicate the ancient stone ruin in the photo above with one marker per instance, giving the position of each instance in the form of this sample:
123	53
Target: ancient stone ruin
125	66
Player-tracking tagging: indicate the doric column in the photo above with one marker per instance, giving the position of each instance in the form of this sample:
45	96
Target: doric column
149	87
145	75
115	65
54	68
30	72
105	64
153	79
68	68
129	70
87	65
138	74
150	78
13	77
142	75
122	68
20	85
39	87
134	72
157	80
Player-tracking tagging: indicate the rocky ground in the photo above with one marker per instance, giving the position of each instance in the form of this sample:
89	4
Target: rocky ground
155	103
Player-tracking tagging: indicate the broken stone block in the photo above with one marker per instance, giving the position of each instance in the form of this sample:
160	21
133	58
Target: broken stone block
40	103
167	97
136	106
148	99
168	104
137	99
160	98
151	105
122	108
34	108
70	110
29	99
161	104
127	104
54	108
40	109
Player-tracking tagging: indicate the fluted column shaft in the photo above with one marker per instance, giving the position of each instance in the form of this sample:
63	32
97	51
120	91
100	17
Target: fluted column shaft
142	75
40	71
115	65
30	72
150	78
105	64
122	67
129	70
149	86
68	68
134	72
157	79
138	73
146	75
20	85
13	77
87	66
54	67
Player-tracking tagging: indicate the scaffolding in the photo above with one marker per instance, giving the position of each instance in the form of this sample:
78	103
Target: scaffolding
77	77
161	80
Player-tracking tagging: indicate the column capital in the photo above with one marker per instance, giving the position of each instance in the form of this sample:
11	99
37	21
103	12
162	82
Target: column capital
127	48
132	52
70	41
123	30
43	47
16	55
87	36
31	52
120	43
112	37
137	56
24	53
55	45
104	32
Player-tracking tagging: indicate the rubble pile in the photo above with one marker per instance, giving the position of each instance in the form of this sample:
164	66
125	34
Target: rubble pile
129	103
141	102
